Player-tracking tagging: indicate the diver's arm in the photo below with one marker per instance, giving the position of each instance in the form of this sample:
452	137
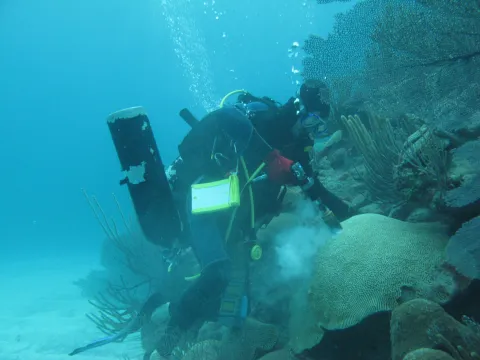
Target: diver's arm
316	191
285	171
288	113
302	156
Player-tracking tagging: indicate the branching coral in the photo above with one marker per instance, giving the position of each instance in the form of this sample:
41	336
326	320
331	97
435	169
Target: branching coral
380	150
404	56
425	58
133	271
131	244
115	310
339	58
396	159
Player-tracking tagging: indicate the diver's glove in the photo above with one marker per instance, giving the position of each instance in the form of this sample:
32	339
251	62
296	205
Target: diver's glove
279	168
284	171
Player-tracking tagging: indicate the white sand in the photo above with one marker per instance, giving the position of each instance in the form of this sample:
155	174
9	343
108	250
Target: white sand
42	314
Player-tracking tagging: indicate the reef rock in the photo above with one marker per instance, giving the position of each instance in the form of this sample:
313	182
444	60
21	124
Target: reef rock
419	325
427	354
374	208
282	354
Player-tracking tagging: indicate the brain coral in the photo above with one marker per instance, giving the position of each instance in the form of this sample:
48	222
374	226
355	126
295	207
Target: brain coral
373	265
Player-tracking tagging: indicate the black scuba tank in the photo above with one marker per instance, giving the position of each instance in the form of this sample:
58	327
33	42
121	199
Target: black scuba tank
145	176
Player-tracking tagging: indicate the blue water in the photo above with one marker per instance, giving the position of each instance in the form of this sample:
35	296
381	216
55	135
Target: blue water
65	65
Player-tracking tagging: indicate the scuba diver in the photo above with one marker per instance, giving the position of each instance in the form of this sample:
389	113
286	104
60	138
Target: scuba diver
233	170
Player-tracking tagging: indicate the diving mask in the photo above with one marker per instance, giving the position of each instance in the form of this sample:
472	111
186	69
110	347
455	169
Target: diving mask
315	126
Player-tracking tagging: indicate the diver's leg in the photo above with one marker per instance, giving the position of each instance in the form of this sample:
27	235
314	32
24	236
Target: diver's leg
204	294
202	298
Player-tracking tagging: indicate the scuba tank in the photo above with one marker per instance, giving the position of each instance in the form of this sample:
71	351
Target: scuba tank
145	177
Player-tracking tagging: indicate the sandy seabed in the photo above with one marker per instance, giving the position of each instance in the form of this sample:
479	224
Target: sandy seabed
42	313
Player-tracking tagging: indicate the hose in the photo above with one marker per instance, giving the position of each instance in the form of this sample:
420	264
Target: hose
225	98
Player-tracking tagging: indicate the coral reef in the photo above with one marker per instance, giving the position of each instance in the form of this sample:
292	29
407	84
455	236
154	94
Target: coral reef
463	249
204	350
380	150
412	57
339	58
420	324
282	354
427	354
396	167
402	164
417	56
466	170
426	58
245	343
410	60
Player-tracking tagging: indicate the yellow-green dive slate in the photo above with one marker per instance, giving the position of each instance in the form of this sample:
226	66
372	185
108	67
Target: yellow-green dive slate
216	196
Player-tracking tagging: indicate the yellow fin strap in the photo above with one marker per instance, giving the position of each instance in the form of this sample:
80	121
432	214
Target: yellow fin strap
191	278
